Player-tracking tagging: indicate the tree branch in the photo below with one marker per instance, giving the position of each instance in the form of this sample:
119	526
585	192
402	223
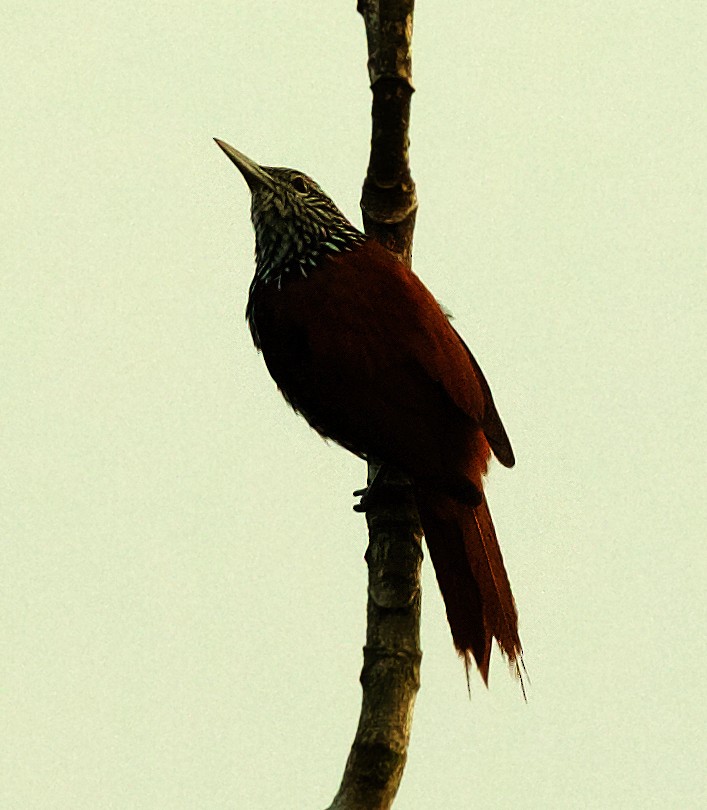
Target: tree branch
388	202
391	663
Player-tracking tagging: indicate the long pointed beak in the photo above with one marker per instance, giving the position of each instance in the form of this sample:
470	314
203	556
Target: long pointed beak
254	174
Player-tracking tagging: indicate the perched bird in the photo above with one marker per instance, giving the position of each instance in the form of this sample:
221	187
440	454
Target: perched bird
359	346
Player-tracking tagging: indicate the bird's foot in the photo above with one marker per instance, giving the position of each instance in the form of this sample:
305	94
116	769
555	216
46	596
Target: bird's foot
382	489
364	499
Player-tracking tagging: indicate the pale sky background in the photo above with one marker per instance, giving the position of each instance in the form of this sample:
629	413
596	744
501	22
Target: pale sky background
183	585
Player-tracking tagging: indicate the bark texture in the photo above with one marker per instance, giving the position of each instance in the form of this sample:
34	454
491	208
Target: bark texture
390	677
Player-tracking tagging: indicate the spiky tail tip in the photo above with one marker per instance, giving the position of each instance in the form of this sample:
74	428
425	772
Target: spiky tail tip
473	581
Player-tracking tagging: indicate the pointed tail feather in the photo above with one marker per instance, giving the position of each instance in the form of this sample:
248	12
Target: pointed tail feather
471	575
486	562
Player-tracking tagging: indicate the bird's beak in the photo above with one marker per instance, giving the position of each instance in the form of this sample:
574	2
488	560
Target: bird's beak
254	174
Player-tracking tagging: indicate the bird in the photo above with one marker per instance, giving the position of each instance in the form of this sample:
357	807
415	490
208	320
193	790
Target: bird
364	352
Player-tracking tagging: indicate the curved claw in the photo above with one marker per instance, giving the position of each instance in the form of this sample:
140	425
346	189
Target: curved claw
365	499
381	490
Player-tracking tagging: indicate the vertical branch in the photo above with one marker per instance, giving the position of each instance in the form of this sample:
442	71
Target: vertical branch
388	202
390	677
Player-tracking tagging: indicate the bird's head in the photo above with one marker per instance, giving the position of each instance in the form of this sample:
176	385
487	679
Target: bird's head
295	222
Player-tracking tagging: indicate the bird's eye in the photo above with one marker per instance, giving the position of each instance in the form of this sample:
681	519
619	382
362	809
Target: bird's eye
299	184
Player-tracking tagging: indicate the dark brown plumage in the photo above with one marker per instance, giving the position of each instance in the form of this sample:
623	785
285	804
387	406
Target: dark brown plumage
360	347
